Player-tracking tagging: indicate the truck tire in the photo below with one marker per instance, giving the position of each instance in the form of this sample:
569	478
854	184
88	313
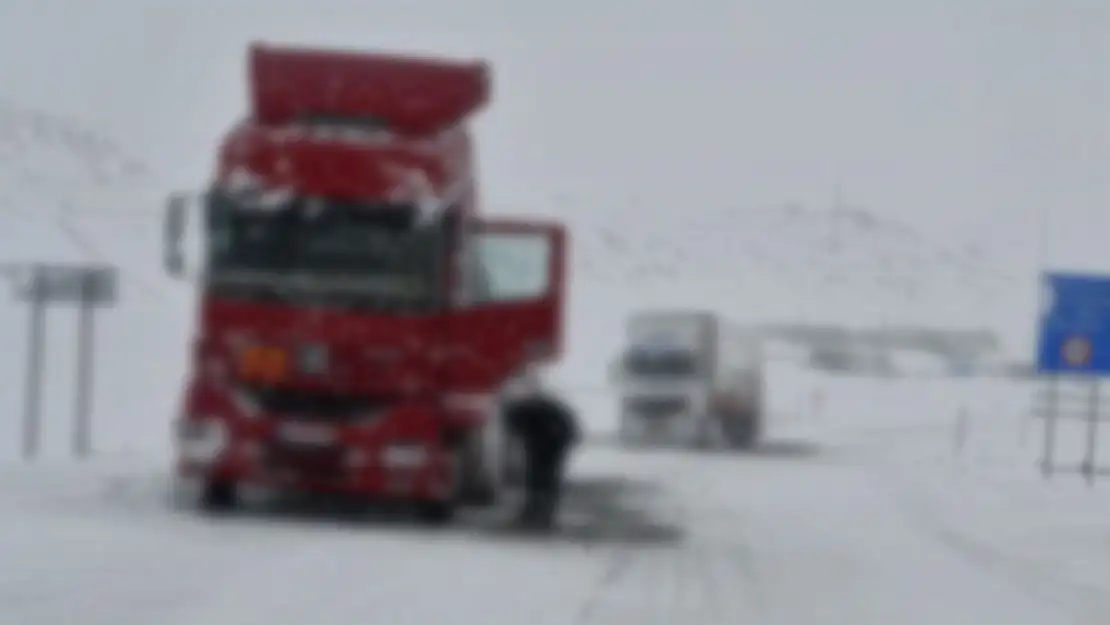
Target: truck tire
436	513
625	434
442	511
478	484
219	496
743	432
539	515
706	433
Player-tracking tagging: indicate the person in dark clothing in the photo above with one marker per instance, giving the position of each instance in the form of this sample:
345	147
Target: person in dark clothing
548	431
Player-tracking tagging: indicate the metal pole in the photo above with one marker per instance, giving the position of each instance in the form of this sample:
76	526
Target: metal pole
1051	410
1092	434
36	338
82	427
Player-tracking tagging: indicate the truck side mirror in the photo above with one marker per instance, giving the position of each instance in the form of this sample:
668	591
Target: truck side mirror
175	223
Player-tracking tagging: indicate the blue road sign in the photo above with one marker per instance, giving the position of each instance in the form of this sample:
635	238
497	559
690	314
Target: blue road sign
1074	325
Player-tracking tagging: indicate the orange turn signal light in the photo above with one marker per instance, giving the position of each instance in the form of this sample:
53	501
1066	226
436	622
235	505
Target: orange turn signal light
263	363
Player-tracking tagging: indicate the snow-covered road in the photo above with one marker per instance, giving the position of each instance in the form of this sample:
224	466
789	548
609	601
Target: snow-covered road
796	535
819	539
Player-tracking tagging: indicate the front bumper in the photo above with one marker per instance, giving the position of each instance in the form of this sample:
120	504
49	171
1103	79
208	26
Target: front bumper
684	429
346	463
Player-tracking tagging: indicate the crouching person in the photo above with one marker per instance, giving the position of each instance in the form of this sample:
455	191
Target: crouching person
548	430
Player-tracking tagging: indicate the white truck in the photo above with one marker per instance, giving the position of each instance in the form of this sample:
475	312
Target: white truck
688	378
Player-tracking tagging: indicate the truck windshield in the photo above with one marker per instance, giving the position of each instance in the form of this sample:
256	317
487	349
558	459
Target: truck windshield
661	363
323	252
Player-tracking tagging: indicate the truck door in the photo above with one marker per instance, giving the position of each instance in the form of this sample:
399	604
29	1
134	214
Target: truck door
508	309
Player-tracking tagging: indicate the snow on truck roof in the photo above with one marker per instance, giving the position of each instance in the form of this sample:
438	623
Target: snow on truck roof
408	95
343	168
355	125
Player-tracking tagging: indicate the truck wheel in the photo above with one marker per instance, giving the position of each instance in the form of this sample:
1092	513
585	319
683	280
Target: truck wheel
478	484
540	514
704	438
436	512
442	511
743	433
626	436
218	496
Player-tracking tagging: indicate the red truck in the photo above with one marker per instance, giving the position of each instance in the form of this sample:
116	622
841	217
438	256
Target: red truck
358	316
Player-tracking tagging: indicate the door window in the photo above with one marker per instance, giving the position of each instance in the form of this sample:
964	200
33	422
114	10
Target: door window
510	266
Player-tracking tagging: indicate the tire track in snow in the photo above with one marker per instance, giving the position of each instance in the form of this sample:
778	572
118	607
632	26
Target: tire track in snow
886	463
301	585
639	585
721	567
703	581
614	571
1087	603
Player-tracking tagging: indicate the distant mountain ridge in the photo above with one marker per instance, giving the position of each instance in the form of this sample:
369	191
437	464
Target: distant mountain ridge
52	163
823	265
70	194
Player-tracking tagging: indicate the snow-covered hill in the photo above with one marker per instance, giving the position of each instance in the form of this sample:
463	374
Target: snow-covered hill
69	194
51	160
861	259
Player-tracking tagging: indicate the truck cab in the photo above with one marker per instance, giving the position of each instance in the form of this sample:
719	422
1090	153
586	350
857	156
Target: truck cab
357	315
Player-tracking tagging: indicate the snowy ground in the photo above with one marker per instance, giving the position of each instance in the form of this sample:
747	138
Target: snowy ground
882	521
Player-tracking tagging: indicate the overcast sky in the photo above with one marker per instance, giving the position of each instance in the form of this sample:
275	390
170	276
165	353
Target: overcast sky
955	114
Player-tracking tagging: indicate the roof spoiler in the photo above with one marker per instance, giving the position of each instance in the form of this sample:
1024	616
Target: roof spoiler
406	94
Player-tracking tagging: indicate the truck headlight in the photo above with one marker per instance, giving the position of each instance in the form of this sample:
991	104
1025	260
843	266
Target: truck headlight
202	440
410	456
245	404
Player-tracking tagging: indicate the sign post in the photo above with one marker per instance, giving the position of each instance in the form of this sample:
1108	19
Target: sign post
1089	467
32	399
41	285
1073	343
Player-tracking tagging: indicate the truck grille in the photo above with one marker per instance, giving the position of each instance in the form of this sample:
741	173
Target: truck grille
315	406
656	407
320	462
